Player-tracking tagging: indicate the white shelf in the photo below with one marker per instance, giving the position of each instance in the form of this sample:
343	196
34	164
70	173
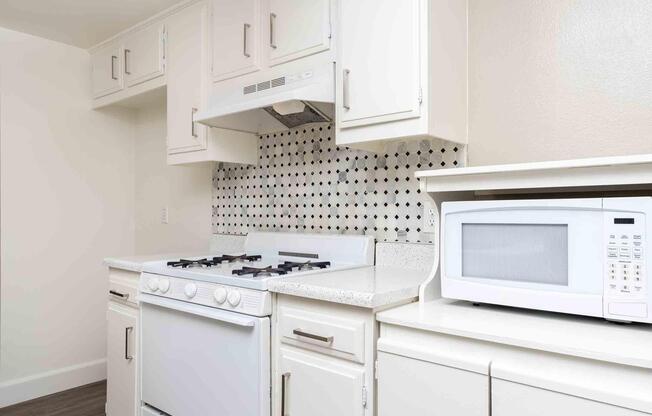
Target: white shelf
577	173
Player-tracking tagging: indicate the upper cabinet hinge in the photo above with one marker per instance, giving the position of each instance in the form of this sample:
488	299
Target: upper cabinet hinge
330	30
376	369
364	396
420	95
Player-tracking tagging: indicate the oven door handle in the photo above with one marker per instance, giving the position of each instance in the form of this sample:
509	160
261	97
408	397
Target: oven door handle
204	311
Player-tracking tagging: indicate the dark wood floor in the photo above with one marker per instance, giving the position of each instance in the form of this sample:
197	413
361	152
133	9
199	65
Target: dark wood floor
81	401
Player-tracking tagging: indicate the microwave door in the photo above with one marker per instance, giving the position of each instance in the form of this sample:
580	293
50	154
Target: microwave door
534	258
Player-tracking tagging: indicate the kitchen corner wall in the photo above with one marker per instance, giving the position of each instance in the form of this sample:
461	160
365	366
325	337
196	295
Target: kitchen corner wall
303	182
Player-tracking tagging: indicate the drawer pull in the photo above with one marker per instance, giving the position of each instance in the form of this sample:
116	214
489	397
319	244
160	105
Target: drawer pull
128	356
118	294
284	379
300	333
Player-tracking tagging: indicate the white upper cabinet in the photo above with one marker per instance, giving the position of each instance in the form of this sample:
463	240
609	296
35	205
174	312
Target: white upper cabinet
236	37
184	71
379	61
401	71
106	67
144	54
297	28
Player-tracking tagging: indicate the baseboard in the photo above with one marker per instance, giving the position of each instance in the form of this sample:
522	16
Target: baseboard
42	384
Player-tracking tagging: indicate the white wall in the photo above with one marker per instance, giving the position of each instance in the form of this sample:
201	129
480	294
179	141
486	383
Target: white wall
67	201
559	79
184	190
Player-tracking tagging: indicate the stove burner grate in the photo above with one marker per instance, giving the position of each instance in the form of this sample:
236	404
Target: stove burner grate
256	271
230	259
190	263
308	265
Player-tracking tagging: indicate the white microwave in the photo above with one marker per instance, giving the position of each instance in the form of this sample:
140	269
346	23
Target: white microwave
577	256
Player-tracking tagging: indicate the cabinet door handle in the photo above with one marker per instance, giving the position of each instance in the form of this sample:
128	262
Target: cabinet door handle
300	333
118	294
284	379
127	52
272	40
113	59
245	29
128	330
192	122
345	90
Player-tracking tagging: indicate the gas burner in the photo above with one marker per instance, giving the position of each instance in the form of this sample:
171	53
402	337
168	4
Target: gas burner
230	259
308	265
190	263
255	271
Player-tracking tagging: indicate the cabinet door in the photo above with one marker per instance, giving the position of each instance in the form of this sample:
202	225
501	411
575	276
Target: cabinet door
236	37
121	360
513	399
411	387
315	386
144	54
297	28
185	74
106	67
372	88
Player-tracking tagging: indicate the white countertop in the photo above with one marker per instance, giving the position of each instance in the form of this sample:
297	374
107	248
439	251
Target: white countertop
592	338
368	287
135	263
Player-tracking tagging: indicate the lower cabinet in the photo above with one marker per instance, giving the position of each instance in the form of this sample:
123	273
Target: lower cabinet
323	359
319	386
513	399
409	386
122	360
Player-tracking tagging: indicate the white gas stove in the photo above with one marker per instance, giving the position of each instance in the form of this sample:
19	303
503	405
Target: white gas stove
205	330
238	281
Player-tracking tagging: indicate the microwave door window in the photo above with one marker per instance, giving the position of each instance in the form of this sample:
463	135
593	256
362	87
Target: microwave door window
527	253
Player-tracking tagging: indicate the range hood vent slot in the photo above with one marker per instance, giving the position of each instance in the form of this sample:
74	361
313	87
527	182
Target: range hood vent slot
265	85
278	82
249	89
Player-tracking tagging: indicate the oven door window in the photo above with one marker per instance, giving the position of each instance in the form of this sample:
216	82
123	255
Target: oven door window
528	253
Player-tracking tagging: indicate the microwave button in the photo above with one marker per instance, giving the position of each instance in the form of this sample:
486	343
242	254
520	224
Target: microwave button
624	237
638	252
637	236
612	252
625	253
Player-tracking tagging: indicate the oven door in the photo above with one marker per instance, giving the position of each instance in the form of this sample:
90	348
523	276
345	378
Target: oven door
198	360
541	254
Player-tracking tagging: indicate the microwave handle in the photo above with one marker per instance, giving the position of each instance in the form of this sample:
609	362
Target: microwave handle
215	314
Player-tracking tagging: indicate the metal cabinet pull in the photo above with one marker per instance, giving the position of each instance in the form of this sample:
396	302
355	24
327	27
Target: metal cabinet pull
118	294
192	122
127	52
345	89
272	36
321	338
128	356
245	29
113	59
284	379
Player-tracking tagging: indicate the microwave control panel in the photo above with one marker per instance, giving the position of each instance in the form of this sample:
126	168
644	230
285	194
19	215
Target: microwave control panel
625	256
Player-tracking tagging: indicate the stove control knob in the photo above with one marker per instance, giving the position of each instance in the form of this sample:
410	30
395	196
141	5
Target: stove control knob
152	283
234	298
220	295
190	290
164	285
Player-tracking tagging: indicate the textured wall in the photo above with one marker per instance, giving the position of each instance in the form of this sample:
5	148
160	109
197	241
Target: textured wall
559	79
304	182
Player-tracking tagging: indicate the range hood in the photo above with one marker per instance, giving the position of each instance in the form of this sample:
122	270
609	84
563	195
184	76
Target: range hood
260	104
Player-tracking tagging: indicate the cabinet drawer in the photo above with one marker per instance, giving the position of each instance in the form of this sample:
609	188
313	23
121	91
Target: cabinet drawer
340	337
123	285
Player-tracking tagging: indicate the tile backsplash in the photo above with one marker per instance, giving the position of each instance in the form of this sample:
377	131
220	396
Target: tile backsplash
303	182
